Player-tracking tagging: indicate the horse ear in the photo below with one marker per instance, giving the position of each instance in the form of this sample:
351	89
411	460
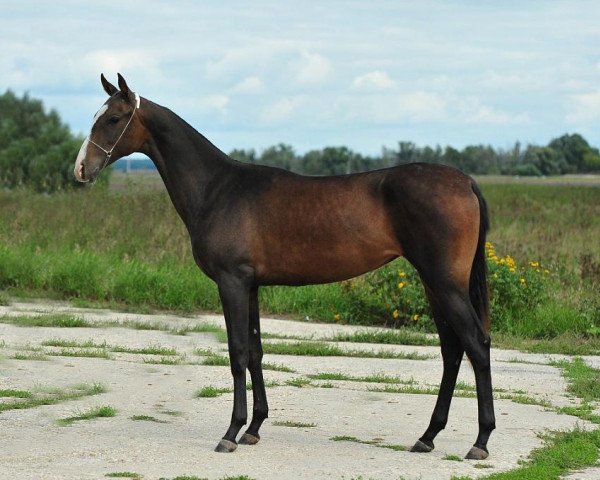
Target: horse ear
109	88
123	84
129	95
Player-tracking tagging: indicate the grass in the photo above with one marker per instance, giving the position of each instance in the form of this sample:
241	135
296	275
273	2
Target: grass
290	423
148	350
583	380
375	442
82	352
320	349
298	382
146	418
453	458
215	360
51	320
53	396
15	393
392	337
563	452
36	356
164	361
104	411
135	476
211	392
194	477
378	378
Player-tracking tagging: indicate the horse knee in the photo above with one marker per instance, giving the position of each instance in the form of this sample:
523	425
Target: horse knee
255	357
238	359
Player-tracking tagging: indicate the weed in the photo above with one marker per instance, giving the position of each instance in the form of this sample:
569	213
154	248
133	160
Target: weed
50	320
375	442
584	381
15	393
80	353
453	458
164	360
135	476
146	418
216	360
53	396
319	349
378	378
298	382
289	423
393	337
210	392
97	412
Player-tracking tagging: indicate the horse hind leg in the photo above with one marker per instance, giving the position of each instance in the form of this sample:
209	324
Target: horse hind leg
462	320
452	354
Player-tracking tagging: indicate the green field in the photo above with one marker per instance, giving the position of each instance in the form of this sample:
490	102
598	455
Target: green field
126	247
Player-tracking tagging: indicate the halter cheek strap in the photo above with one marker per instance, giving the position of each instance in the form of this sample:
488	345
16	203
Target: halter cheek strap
109	152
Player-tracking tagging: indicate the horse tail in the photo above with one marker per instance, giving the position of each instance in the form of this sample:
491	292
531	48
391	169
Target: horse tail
478	287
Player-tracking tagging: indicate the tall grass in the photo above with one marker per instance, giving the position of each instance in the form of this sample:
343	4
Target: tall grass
130	248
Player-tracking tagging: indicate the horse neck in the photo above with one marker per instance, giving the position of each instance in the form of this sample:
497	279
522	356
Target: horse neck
187	162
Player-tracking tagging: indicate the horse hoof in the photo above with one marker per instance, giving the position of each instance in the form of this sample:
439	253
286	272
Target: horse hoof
249	439
421	447
477	453
226	446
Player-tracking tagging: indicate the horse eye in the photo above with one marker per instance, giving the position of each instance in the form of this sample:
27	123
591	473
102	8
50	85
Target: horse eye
114	119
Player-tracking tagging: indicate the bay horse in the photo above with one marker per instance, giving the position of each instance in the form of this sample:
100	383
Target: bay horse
253	225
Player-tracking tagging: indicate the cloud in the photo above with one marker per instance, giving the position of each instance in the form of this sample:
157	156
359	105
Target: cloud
472	111
311	68
377	80
210	104
281	110
248	86
583	107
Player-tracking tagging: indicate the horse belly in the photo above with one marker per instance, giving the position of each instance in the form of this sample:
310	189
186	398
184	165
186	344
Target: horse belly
300	259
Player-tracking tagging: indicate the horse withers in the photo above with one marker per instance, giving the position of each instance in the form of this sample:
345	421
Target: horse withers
253	225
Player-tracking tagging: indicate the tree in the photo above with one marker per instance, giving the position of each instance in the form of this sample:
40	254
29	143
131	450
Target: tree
241	155
281	155
576	151
36	149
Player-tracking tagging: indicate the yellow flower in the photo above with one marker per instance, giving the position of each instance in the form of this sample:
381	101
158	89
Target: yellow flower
512	270
395	313
415	317
402	274
546	272
534	264
401	285
522	280
337	317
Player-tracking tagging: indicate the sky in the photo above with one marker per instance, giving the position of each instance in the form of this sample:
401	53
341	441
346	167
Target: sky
364	74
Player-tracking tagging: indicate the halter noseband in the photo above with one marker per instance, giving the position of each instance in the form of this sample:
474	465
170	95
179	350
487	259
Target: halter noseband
109	152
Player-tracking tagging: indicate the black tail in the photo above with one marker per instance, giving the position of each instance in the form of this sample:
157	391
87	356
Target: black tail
478	288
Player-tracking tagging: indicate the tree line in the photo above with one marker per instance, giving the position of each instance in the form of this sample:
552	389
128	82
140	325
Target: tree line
570	153
38	150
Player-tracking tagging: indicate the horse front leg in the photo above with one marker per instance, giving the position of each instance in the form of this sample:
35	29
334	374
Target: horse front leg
234	295
260	410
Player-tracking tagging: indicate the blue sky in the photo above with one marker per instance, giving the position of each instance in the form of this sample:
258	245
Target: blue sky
359	73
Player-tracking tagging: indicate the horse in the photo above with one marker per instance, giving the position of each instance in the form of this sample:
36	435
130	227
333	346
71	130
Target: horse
253	225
